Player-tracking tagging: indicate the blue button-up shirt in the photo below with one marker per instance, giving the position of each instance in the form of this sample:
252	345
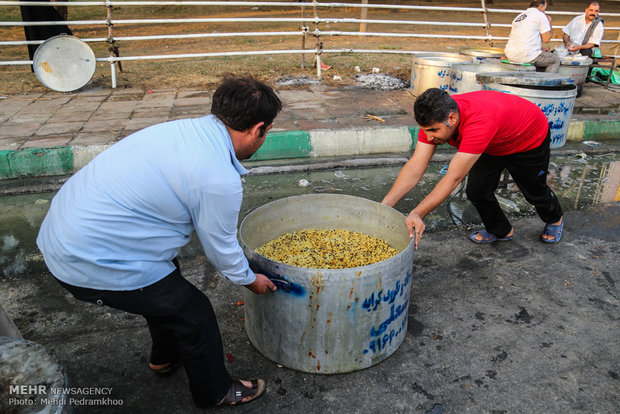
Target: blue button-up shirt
117	223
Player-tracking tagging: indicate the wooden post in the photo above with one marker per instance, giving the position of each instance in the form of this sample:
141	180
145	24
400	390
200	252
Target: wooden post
364	16
486	21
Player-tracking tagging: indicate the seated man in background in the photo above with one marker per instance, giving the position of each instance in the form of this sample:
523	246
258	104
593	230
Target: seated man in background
528	30
585	31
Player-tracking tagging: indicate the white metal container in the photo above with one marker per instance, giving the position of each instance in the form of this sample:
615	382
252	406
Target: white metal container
433	71
554	94
327	321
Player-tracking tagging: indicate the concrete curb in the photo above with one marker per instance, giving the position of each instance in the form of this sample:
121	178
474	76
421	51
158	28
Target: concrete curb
64	160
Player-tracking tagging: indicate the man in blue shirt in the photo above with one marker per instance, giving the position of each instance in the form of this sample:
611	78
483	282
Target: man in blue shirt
112	231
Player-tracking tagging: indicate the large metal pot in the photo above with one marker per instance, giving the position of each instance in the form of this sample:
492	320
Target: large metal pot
463	76
328	320
553	93
40	379
577	70
434	71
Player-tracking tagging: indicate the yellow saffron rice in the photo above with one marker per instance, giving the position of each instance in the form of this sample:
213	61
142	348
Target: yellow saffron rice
327	249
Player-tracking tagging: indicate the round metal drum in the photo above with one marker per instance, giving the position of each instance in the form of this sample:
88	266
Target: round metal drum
44	380
577	70
328	321
64	63
434	71
463	76
553	93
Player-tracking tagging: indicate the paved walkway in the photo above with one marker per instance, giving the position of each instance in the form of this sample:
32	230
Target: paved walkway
317	120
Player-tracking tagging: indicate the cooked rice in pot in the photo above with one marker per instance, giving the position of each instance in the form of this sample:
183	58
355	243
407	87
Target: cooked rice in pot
327	249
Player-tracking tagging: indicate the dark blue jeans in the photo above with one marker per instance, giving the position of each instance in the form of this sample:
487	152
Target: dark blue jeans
528	170
183	327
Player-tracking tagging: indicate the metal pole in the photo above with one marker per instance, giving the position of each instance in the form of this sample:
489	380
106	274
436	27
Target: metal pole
303	38
113	73
111	43
486	22
319	45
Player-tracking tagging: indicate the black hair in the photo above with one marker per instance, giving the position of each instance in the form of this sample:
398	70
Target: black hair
593	2
242	102
433	106
536	3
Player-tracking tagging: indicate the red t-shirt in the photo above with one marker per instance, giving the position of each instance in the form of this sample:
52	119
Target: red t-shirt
497	123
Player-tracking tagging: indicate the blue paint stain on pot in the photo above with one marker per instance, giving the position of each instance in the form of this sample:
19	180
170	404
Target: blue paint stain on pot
285	285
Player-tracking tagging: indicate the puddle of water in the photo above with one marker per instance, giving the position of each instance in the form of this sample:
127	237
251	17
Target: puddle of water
578	182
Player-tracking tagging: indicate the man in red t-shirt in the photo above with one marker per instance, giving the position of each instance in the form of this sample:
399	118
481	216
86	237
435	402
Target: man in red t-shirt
492	131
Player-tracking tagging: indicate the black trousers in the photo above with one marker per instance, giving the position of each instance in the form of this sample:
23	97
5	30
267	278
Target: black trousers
183	327
529	171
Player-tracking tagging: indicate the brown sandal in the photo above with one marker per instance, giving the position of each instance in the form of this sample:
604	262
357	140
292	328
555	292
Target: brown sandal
239	393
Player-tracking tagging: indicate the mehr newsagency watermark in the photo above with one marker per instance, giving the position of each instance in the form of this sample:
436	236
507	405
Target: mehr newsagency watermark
42	395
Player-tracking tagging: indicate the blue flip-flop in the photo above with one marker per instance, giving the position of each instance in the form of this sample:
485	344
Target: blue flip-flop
487	237
554	230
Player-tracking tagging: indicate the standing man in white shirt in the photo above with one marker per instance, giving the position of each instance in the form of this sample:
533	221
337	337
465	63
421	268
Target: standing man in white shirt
585	31
529	30
112	231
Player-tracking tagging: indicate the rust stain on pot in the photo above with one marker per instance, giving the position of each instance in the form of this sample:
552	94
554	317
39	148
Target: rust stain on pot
46	67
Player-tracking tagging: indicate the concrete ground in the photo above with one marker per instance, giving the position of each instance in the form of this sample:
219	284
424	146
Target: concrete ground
514	327
55	133
101	116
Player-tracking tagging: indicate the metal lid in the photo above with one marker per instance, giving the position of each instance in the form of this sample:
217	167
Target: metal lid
584	61
442	61
64	63
489	52
478	67
424	55
524	78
